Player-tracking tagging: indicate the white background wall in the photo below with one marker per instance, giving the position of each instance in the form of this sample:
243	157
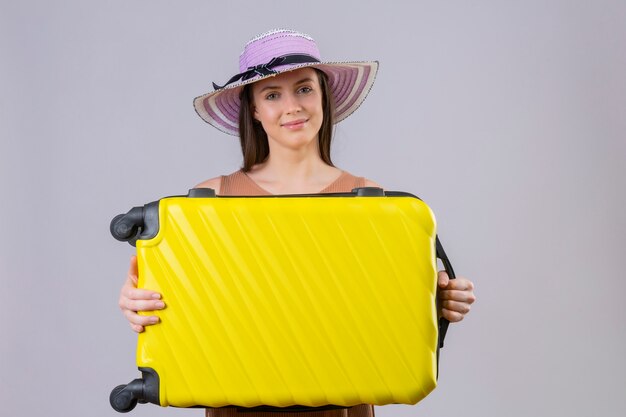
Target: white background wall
507	117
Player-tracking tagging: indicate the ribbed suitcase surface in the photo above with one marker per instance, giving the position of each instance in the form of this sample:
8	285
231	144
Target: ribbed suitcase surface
291	301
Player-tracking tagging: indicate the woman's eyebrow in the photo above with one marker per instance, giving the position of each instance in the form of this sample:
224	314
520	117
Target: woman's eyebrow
269	87
276	87
304	80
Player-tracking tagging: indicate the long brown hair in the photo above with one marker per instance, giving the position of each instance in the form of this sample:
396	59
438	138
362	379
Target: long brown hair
254	145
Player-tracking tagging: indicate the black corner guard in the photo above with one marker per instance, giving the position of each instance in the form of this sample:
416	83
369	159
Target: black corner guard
201	193
368	192
124	398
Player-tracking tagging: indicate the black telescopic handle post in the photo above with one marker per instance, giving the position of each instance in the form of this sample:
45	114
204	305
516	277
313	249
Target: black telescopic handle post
441	254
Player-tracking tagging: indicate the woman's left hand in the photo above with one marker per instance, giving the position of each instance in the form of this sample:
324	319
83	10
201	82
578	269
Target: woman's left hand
455	296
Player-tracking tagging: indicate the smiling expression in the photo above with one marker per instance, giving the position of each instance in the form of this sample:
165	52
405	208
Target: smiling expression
289	107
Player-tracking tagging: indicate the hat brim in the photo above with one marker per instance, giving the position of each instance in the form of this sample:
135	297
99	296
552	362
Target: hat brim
349	83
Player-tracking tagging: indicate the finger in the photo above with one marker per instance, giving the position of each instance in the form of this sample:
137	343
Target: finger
140	305
133	271
451	316
137	319
140	294
460	283
455	295
136	328
462	308
442	279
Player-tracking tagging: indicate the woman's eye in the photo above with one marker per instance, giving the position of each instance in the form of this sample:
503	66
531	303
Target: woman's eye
271	96
305	90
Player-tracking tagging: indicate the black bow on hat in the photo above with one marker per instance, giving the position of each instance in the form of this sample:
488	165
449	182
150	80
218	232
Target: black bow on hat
268	69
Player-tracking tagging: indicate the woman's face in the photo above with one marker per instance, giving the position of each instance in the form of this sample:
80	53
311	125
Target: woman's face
289	107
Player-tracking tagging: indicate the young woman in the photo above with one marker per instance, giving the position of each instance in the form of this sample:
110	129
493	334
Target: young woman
283	105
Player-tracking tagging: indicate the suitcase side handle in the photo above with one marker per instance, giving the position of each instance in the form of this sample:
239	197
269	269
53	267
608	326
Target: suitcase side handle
441	254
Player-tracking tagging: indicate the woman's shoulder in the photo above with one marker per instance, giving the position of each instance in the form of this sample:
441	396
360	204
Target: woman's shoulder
370	183
363	180
347	181
211	183
217	183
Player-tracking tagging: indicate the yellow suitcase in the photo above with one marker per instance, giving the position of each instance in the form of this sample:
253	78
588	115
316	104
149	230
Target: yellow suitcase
286	301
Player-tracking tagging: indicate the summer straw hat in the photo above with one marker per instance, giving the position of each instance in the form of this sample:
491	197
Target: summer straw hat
280	51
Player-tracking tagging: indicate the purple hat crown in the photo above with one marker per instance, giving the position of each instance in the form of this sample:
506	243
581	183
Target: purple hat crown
279	42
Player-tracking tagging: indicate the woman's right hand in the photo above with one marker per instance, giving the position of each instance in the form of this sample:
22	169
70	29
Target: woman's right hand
133	300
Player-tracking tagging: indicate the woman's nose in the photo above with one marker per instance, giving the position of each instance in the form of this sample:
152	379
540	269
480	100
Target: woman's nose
292	104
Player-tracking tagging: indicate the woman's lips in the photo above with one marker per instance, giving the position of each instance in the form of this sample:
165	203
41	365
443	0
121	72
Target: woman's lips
296	124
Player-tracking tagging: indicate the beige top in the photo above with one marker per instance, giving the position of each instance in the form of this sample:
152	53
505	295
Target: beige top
238	183
356	411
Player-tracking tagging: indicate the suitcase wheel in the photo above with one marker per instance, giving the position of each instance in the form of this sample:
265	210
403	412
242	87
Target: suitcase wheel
124	227
122	399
